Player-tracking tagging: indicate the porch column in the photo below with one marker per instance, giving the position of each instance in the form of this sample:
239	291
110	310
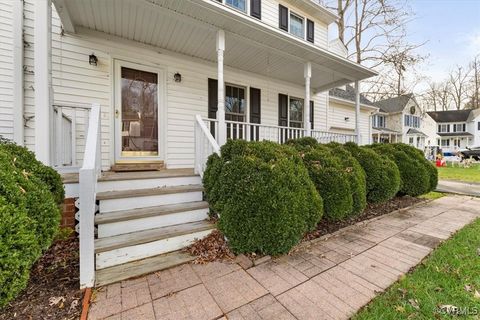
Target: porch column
307	73
222	126
43	79
357	111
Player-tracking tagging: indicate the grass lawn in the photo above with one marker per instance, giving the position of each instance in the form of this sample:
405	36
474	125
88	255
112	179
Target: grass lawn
448	278
432	195
471	174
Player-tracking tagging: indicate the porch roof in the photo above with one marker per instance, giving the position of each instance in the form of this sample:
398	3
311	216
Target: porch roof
189	27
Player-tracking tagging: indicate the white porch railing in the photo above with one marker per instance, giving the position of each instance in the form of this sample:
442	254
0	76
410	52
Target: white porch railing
258	132
205	144
70	127
88	177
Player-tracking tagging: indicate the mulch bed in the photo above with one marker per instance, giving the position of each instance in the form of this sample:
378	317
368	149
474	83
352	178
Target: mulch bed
214	247
53	291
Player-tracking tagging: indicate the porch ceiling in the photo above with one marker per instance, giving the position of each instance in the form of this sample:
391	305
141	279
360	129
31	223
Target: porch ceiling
189	27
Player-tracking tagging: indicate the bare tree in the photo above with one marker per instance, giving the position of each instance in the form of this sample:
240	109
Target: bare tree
458	82
474	102
444	95
431	96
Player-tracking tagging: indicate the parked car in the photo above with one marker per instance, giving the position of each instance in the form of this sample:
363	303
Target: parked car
473	152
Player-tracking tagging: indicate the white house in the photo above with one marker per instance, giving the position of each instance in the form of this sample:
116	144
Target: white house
400	119
457	129
149	84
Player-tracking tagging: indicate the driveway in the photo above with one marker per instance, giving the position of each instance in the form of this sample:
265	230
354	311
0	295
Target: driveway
330	278
459	187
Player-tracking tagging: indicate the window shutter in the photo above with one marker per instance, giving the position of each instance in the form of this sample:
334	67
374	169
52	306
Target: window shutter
310	30
256	8
212	102
282	17
282	110
255	112
311	114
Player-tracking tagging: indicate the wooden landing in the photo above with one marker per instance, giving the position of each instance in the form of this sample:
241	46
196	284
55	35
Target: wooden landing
141	166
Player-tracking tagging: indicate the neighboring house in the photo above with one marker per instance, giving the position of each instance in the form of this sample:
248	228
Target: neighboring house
341	113
457	129
400	119
137	85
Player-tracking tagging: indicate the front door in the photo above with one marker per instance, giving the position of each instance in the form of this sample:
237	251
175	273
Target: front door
137	103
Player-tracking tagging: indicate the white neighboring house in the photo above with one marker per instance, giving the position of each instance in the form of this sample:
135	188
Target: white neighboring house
457	129
129	85
341	113
400	119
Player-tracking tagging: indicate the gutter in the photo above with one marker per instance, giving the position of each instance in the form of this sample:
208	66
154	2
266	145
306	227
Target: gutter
18	54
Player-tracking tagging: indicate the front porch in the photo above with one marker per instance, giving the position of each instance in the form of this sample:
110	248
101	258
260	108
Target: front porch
384	135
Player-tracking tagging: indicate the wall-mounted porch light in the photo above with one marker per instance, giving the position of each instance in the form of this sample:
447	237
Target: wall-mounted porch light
177	77
347	119
92	60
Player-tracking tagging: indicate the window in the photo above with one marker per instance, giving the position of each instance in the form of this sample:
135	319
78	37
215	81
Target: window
443	128
296	112
237	4
456	142
379	121
459	127
297	25
235	104
478	126
410	140
445	142
412	121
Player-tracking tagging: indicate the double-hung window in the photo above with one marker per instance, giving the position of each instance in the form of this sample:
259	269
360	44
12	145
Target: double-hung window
443	128
296	112
412	121
459	127
235	103
237	4
379	121
297	25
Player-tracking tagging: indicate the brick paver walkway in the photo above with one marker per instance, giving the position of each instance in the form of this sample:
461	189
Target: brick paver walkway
327	279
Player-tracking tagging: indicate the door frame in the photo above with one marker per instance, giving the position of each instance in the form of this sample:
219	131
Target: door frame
118	63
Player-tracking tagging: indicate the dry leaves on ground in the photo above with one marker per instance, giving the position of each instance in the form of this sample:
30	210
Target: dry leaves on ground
211	248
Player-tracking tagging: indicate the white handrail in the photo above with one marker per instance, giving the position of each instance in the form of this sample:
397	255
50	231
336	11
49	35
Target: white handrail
88	177
205	145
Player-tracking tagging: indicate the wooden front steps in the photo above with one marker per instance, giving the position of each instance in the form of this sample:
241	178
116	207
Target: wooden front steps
144	219
141	166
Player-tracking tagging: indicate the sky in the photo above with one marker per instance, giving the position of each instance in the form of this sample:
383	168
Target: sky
452	31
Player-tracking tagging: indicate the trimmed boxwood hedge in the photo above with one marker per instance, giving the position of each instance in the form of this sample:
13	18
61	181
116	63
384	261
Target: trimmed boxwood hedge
263	195
418	154
415	179
30	216
382	174
356	176
18	250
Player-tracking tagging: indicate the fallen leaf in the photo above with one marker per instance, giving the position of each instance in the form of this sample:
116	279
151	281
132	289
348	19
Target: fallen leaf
56	300
468	288
400	309
478	251
73	305
438	289
449	308
414	303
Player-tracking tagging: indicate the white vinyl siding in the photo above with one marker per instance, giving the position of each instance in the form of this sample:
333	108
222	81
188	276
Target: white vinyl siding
6	69
337	114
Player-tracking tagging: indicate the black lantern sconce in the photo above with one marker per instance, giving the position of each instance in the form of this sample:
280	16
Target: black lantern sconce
347	119
92	60
177	77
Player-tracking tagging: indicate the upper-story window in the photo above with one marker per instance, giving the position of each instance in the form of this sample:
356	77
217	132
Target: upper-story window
459	127
412	121
237	4
297	25
379	121
443	128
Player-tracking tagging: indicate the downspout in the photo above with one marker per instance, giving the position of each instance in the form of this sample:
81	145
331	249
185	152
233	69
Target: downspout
18	55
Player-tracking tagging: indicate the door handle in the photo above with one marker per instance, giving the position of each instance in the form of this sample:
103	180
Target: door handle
117	113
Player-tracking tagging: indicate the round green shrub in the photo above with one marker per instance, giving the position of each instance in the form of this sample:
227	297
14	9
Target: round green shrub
418	154
331	181
382	174
356	176
263	195
415	179
25	189
25	160
18	250
303	144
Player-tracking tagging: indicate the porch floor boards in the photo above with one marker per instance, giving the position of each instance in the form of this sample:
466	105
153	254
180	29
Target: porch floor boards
121	194
133	175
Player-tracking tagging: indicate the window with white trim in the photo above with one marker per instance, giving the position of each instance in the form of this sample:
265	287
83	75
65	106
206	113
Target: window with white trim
295	111
297	25
443	128
445	143
237	4
459	127
379	121
412	121
235	103
456	142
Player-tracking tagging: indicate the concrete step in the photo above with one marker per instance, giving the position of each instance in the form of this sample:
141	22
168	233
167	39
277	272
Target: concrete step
140	267
119	249
149	197
127	221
